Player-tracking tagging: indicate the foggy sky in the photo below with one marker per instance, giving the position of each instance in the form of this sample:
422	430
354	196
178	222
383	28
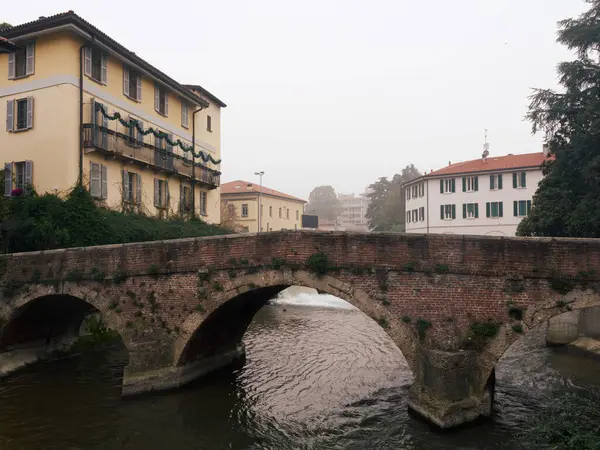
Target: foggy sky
342	92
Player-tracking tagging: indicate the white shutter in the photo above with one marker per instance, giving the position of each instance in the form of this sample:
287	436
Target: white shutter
95	179
104	74
156	193
29	112
30	61
184	114
126	81
104	182
11	66
87	64
10	115
125	185
166	102
138	188
139	88
7	179
28	173
156	98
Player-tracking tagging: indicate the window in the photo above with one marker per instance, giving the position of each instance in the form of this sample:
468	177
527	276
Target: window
209	123
132	84
22	62
408	216
270	214
493	209
470	210
98	180
161	100
184	114
422	214
415	215
408	191
448	212
95	65
231	211
297	215
521	208
161	193
245	210
203	201
519	180
18	175
135	137
19	114
185	198
287	213
132	187
421	189
470	184
415	191
280	213
447	186
496	182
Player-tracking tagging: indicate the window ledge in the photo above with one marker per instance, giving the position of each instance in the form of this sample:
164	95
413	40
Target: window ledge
96	81
161	113
187	127
132	98
20	77
20	130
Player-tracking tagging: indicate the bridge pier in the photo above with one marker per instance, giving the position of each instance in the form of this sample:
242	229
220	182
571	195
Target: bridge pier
447	389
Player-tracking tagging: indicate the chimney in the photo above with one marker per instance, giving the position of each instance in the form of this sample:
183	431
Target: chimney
545	149
449	163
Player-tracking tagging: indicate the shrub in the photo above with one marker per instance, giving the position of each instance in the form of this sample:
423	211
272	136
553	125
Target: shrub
480	333
318	263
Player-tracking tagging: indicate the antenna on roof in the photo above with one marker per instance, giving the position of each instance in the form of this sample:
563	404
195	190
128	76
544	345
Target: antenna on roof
486	146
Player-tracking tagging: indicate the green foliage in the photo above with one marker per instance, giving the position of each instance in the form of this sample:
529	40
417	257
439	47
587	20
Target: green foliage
200	308
567	201
406	319
218	286
130	294
276	263
422	327
75	275
36	276
382	321
480	333
318	263
410	266
515	312
441	268
98	335
561	285
153	271
323	202
561	303
120	277
385	302
252	285
517	328
97	275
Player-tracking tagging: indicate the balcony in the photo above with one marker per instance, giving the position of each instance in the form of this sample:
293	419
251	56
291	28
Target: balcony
113	144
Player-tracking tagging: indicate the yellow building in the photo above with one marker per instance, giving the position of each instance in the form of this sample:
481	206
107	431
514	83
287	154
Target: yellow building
78	105
241	202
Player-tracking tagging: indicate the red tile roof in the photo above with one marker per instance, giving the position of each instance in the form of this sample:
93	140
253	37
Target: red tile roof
492	164
243	187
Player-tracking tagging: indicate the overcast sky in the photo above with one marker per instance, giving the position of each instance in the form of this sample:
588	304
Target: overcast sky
342	92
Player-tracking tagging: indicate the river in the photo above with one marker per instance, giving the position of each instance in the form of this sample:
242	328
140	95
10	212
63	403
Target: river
315	377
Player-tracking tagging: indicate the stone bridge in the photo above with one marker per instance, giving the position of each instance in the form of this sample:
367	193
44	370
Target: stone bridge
452	304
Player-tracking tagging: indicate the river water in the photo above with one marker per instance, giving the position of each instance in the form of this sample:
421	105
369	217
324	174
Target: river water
316	377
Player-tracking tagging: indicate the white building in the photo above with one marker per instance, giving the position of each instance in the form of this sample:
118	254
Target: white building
354	212
487	196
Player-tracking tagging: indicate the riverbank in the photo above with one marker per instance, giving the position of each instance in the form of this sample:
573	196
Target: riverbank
585	346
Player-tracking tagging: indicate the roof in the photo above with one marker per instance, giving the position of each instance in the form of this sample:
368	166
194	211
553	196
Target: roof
7	46
206	93
243	187
70	18
508	162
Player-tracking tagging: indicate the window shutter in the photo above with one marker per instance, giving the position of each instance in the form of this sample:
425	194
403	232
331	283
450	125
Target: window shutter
454	211
453	184
140	135
30	60
94	179
11	66
441	187
126	81
180	197
442	212
125	185
464	181
139	87
156	98
7	179
29	112
523	179
104	74
528	206
10	115
492	182
156	193
500	214
166	103
28	173
487	209
500	181
167	194
514	180
476	184
104	133
170	153
138	188
477	210
516	208
87	64
104	182
464	210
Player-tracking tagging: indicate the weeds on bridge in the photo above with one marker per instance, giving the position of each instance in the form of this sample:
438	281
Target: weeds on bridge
480	333
318	263
422	327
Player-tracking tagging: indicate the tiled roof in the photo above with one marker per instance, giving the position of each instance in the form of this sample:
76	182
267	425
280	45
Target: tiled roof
206	93
70	17
243	187
508	162
7	46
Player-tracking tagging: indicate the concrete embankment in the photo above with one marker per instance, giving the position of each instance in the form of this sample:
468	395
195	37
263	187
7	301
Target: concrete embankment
579	330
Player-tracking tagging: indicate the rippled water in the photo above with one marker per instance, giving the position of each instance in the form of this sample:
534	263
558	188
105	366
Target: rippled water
314	378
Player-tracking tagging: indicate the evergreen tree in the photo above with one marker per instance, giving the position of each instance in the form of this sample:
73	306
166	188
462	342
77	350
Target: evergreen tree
324	202
567	202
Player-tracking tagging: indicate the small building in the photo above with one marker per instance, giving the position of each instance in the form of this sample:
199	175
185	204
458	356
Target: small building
487	196
241	201
353	216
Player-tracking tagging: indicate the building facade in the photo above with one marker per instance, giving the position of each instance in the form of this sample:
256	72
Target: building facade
77	105
488	196
241	201
354	212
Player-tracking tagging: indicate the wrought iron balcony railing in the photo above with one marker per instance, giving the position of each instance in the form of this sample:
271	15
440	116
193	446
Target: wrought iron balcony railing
119	145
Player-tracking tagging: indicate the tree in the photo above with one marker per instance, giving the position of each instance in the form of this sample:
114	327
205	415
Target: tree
229	217
5	25
386	209
323	202
567	202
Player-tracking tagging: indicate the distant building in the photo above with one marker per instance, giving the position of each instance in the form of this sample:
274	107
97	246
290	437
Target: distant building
354	212
330	225
279	211
487	196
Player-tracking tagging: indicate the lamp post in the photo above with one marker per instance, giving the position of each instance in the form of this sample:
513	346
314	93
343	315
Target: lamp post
260	174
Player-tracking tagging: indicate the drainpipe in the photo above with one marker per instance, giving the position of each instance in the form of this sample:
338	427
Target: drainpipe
194	161
427	205
81	61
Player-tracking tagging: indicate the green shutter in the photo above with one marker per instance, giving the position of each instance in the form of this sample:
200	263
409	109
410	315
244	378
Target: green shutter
500	209
464	210
492	186
441	186
464	184
454	211
487	209
514	180
528	206
476	184
516	208
453	184
477	210
523	179
442	212
500	181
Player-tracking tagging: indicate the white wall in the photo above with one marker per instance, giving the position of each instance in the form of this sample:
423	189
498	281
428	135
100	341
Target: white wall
497	226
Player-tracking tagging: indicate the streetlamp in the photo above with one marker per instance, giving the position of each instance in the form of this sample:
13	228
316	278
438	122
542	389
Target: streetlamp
260	174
